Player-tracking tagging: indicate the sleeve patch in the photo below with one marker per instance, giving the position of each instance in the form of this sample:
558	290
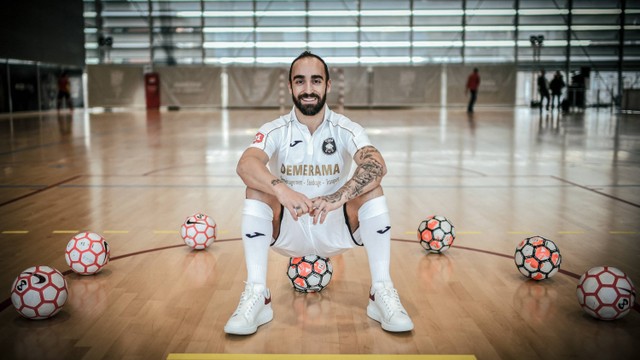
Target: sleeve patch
259	138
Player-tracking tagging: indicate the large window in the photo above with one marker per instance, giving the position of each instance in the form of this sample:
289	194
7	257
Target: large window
576	32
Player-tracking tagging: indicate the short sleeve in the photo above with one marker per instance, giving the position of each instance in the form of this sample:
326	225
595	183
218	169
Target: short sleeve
267	138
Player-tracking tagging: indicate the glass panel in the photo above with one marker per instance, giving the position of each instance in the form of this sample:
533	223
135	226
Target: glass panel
244	30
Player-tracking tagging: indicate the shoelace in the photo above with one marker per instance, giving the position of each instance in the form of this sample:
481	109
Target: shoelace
391	300
248	300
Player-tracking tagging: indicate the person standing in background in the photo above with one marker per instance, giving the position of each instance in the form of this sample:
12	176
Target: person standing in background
473	83
64	91
543	89
556	86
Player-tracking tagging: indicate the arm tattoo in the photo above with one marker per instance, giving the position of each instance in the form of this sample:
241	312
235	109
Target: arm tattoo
275	182
369	171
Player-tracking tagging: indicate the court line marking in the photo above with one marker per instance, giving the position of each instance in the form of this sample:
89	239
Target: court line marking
41	190
317	357
7	302
15	232
65	231
595	191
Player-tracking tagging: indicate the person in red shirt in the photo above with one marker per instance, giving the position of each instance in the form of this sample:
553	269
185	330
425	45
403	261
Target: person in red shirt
473	82
64	91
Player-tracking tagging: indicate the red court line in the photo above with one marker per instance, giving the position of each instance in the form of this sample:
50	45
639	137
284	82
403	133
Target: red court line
5	304
41	190
596	191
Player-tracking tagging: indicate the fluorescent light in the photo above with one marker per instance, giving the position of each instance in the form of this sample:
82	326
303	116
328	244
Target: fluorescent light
543	11
333	13
438	12
437	28
595	11
491	12
386	44
594	27
445	44
487	28
522	28
227	29
385	13
484	43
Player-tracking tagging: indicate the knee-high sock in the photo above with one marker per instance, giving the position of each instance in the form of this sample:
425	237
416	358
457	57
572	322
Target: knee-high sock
375	230
257	233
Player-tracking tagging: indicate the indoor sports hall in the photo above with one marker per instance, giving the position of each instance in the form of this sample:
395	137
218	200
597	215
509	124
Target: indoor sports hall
125	118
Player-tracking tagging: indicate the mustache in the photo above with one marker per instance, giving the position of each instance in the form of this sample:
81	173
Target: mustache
308	95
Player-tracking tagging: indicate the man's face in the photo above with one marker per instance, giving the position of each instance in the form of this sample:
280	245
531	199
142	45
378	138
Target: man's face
309	86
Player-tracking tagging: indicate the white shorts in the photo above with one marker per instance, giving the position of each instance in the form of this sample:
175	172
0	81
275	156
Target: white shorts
302	237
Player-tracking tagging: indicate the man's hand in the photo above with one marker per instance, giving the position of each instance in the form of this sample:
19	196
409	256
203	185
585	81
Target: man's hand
323	204
297	203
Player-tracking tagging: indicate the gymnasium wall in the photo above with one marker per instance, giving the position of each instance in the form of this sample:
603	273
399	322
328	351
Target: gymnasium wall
254	87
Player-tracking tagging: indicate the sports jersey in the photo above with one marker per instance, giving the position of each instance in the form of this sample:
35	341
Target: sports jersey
317	164
313	164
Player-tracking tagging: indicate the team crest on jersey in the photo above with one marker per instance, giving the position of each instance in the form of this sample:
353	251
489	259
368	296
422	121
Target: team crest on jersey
259	137
329	146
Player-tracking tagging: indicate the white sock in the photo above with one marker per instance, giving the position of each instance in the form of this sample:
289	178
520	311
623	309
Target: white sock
257	233
375	230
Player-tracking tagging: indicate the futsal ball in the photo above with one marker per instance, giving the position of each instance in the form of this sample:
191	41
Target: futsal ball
436	234
309	273
199	231
87	253
606	293
39	292
537	258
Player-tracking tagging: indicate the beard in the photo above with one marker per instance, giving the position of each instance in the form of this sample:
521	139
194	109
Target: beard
309	110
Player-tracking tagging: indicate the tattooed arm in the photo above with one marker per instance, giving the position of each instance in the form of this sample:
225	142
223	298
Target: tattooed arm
254	173
367	176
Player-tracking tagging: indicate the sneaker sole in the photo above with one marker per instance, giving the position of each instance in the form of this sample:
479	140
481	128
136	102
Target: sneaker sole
265	316
372	312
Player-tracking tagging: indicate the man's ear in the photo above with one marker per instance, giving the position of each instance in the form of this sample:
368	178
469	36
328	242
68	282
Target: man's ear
328	86
289	87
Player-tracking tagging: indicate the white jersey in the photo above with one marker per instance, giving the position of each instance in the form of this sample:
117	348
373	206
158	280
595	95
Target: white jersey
317	164
314	165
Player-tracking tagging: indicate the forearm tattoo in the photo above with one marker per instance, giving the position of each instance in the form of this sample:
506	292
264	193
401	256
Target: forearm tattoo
275	182
369	171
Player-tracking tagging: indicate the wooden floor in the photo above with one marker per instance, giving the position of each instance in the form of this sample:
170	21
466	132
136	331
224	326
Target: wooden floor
501	176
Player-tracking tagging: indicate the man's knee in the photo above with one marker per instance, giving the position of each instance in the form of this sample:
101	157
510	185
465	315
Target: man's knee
353	206
271	201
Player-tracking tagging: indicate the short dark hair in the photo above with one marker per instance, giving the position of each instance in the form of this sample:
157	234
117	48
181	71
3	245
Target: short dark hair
307	54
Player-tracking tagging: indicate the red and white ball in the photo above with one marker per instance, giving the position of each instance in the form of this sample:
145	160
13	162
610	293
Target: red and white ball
537	258
87	253
199	231
606	293
310	273
436	234
39	292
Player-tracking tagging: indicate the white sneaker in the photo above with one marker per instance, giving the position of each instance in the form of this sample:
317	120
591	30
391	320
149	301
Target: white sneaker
385	307
253	310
